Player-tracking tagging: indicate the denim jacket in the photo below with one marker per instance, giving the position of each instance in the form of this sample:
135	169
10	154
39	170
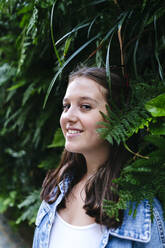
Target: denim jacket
135	232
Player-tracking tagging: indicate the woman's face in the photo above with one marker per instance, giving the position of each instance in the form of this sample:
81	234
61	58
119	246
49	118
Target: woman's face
82	102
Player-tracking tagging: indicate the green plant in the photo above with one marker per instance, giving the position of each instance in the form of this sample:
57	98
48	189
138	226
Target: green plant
41	41
31	205
147	173
137	27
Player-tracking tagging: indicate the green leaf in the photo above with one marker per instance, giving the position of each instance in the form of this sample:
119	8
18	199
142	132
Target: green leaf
156	106
6	72
108	73
15	154
8	201
29	91
74	30
31	205
156	50
67	62
16	86
158	129
58	140
91	24
67	45
24	10
52	35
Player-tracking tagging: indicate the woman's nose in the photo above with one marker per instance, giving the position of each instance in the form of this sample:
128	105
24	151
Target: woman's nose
71	114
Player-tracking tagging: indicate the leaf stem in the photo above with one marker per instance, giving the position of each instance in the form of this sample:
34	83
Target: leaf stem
135	153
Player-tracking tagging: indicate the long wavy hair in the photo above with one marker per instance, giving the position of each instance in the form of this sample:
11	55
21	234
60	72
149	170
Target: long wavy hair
99	185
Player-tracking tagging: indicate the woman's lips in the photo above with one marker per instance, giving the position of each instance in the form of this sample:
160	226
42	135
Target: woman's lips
73	132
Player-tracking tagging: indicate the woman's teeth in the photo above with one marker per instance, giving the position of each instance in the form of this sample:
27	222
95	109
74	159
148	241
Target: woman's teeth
73	131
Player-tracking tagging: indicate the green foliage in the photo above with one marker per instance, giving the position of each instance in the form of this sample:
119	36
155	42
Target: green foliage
120	125
6	202
31	205
26	67
157	106
58	140
147	174
152	170
40	43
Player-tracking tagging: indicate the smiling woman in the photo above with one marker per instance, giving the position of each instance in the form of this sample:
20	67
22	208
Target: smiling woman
73	194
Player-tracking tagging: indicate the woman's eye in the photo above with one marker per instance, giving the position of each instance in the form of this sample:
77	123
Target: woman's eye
86	107
66	106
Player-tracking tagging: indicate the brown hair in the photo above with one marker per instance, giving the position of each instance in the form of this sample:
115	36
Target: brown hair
99	186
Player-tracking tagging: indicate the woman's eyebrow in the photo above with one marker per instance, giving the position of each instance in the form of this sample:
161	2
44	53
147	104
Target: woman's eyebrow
82	98
88	99
65	100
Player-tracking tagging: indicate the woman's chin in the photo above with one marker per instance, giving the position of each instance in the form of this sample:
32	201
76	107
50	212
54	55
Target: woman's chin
74	149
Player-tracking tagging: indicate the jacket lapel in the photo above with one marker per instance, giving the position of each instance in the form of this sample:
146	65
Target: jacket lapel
136	228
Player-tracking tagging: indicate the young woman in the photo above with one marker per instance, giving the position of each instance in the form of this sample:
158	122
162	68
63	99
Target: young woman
71	214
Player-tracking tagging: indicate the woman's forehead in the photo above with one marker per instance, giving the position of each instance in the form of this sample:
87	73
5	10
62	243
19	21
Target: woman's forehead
86	87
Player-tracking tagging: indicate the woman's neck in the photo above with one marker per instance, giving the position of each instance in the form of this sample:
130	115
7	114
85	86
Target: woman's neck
95	160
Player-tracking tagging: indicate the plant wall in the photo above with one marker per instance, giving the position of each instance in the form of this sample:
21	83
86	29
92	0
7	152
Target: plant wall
40	43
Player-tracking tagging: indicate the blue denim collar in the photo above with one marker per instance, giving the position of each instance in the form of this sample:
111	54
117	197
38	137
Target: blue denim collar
136	228
50	209
64	184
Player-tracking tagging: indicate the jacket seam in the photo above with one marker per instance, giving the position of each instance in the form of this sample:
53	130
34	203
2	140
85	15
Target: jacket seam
160	226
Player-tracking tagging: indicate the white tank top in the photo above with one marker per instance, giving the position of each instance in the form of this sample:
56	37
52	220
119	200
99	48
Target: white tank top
64	235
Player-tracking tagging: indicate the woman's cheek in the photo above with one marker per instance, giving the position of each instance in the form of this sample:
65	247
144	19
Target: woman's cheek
62	124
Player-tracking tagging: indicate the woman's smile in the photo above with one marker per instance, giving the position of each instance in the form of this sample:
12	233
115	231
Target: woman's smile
73	133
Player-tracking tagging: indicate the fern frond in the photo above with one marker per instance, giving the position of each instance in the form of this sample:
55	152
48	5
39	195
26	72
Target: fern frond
126	125
148	175
133	117
31	205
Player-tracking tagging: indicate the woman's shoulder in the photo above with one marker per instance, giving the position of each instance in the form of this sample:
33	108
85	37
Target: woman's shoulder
143	223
